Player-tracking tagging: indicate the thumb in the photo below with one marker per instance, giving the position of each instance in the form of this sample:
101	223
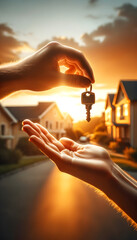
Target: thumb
69	144
73	80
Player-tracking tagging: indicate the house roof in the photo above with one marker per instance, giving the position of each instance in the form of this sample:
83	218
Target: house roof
30	112
8	113
111	96
67	115
109	99
130	87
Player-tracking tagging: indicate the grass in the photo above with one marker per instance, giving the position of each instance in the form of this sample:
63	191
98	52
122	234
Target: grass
124	163
25	161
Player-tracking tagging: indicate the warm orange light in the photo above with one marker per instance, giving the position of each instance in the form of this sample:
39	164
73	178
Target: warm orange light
118	111
126	109
108	114
67	98
63	209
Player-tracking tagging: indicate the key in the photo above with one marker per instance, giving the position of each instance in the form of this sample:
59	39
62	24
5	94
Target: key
88	98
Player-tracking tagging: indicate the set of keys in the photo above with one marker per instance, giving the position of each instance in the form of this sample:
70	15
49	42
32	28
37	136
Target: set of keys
88	98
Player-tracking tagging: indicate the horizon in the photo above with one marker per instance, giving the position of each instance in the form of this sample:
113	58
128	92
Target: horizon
64	98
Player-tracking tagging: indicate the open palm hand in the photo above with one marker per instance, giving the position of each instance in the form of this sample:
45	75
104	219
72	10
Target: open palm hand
90	163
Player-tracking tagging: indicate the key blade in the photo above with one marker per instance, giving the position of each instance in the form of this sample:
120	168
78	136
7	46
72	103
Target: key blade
88	119
88	107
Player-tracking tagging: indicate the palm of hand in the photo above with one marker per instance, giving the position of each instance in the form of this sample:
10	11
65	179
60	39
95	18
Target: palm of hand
68	155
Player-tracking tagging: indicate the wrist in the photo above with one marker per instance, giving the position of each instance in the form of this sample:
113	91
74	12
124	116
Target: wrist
11	80
123	191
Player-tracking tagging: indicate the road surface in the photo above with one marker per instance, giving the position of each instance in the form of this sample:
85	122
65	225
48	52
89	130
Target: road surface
40	203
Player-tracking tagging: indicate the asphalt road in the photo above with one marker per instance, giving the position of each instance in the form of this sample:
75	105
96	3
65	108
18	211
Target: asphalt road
40	203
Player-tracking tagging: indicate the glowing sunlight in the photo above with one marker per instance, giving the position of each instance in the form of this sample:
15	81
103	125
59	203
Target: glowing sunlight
61	209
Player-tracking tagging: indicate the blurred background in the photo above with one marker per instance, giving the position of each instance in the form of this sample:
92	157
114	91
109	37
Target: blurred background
38	202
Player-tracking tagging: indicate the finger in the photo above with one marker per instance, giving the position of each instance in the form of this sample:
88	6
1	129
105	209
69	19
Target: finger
50	137
72	67
76	56
70	144
37	129
70	70
77	67
74	80
46	140
46	149
30	131
33	125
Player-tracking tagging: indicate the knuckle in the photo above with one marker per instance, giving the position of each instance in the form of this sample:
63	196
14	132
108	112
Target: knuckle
53	44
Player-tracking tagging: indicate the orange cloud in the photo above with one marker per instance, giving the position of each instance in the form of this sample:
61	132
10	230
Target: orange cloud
64	40
115	57
111	49
10	46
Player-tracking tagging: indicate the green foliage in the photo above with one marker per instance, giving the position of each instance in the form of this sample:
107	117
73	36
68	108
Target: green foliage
27	148
78	133
114	146
100	127
4	156
74	134
2	143
118	146
88	126
101	138
8	156
70	133
15	155
25	161
131	153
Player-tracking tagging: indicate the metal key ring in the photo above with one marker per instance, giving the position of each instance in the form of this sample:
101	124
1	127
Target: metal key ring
90	88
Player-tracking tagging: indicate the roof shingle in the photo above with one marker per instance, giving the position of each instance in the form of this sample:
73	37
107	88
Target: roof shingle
130	88
30	112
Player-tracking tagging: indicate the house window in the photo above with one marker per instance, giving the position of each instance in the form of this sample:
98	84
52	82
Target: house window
46	124
57	125
118	111
50	125
108	114
121	112
125	109
61	125
2	128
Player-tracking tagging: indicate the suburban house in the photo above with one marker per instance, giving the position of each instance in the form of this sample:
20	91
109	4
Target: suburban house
45	113
121	113
110	114
68	121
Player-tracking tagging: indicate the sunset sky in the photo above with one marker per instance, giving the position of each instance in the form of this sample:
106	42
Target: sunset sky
105	31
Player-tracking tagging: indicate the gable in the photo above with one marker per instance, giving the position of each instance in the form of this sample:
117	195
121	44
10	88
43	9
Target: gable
5	115
130	87
109	101
29	112
121	94
69	118
4	118
53	114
